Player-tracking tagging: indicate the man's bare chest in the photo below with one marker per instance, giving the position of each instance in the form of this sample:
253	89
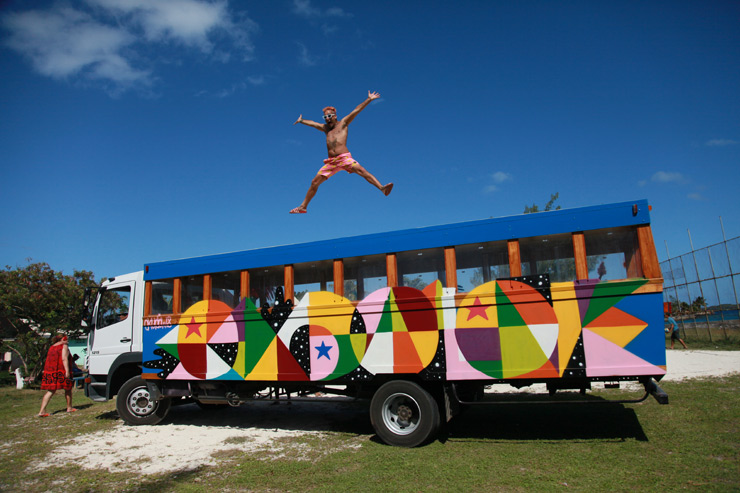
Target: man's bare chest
337	135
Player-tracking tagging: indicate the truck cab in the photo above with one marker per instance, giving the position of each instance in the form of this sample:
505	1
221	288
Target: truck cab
115	338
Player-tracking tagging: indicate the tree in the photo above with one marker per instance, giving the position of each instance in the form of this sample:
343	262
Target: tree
36	301
548	205
699	304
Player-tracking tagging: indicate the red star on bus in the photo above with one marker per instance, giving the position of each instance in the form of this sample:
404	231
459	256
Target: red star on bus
477	310
193	328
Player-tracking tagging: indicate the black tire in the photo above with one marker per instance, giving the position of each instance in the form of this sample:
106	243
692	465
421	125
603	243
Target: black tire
404	414
135	405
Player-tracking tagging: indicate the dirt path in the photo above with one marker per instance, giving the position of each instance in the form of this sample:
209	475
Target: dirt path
190	437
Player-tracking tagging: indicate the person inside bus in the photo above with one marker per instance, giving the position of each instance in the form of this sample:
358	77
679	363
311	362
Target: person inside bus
339	156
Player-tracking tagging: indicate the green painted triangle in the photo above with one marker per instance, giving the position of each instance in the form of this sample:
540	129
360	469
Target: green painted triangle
170	348
508	316
347	360
491	368
386	319
257	336
608	294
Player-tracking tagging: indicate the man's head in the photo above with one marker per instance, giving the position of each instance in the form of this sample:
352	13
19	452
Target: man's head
330	115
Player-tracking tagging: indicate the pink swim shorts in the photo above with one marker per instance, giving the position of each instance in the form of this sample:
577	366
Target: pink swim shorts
336	163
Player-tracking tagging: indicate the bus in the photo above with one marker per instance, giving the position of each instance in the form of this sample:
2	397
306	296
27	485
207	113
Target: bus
417	321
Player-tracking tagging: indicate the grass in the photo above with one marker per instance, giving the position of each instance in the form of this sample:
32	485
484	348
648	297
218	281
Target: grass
692	443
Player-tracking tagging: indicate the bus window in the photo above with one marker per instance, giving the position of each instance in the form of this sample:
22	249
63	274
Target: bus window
263	284
611	254
363	275
419	268
162	292
313	276
226	287
551	255
480	263
191	291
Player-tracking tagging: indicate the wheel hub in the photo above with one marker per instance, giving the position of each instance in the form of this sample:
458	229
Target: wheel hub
140	402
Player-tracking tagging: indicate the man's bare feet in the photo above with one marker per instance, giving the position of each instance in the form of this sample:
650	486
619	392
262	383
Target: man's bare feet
298	210
386	189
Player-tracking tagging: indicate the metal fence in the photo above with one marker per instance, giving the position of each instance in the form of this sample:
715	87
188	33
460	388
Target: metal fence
702	288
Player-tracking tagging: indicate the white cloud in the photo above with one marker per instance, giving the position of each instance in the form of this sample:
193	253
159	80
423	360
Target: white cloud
63	42
304	57
721	142
305	9
104	39
668	177
695	196
498	178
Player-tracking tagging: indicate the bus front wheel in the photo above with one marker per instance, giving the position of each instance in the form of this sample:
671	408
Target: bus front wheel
404	414
136	406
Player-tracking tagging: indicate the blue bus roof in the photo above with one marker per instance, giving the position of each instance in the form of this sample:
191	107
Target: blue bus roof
499	228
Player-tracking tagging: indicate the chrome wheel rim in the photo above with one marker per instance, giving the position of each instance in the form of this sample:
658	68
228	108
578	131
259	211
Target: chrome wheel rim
140	402
401	414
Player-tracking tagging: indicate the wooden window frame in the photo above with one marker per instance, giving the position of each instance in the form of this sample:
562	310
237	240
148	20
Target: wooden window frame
289	278
244	285
148	298
648	254
579	254
207	287
176	296
515	258
391	269
339	277
450	267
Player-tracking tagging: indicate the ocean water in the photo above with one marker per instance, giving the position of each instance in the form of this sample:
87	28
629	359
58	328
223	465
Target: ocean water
717	316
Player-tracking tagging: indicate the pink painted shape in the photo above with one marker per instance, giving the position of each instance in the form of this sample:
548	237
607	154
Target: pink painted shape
227	332
606	359
371	308
180	373
323	367
457	369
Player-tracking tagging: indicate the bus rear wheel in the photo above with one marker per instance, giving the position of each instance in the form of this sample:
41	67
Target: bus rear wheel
404	414
136	406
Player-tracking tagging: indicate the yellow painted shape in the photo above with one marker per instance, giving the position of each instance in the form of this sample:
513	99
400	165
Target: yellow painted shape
486	294
621	336
569	320
330	311
239	361
520	351
267	367
434	293
359	342
397	322
426	343
197	312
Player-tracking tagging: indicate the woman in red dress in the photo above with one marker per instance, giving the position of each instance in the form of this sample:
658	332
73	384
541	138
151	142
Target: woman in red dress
57	374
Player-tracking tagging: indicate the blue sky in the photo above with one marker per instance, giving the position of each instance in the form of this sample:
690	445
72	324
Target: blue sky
134	131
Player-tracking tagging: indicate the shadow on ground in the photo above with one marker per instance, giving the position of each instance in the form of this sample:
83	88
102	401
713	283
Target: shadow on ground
546	422
501	422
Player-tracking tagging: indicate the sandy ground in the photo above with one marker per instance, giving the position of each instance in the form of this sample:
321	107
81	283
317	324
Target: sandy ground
190	437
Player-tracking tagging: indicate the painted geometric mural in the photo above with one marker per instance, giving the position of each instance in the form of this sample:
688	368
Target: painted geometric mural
509	328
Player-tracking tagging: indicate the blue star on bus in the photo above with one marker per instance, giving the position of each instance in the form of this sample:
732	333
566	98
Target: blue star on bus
323	350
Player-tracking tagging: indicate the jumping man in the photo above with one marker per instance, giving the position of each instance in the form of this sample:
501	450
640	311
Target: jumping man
339	156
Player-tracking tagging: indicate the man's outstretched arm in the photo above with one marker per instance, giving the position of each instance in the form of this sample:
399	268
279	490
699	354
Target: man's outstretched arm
310	123
370	97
